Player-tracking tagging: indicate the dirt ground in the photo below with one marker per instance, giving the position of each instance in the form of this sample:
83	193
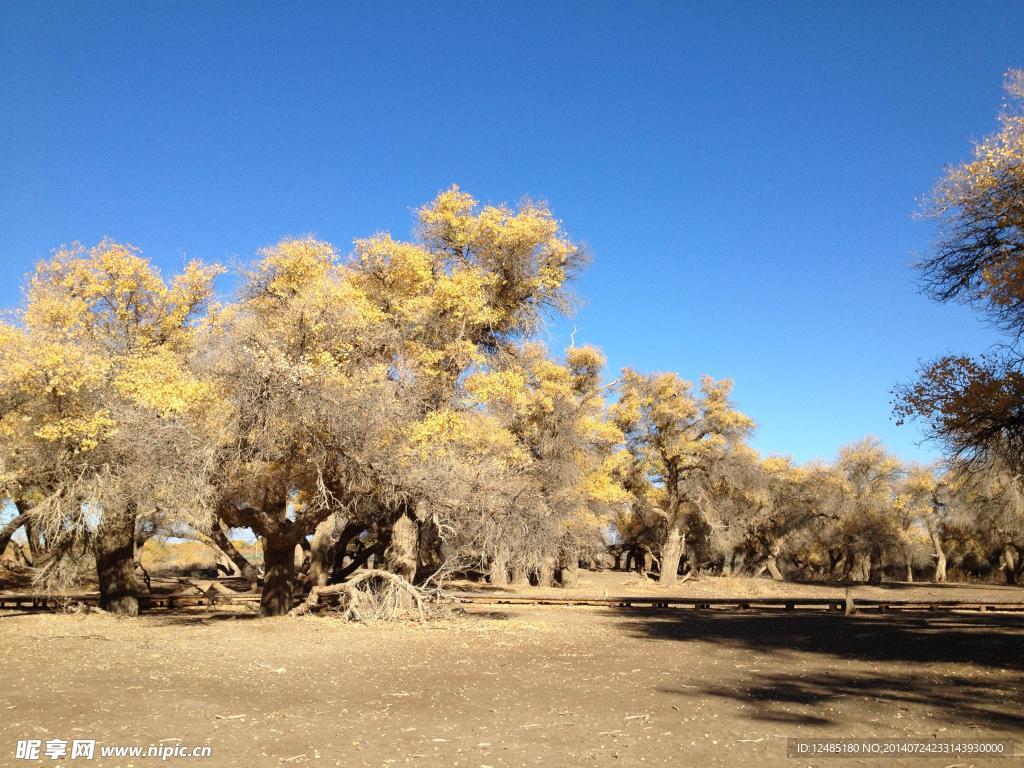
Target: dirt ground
511	686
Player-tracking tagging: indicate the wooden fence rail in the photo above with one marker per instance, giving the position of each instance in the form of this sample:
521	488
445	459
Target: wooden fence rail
211	598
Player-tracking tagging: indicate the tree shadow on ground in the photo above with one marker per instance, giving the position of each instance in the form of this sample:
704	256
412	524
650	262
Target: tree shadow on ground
1012	591
174	617
963	669
805	699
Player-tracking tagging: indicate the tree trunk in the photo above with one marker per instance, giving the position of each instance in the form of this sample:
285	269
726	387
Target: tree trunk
10	529
771	562
1009	564
402	553
359	559
351	530
671	553
247	570
843	565
498	573
35	540
115	562
520	575
910	573
631	560
320	552
431	549
834	558
301	553
278	576
546	572
569	573
875	568
940	556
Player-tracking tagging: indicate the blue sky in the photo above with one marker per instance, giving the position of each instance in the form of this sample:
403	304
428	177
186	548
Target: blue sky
745	174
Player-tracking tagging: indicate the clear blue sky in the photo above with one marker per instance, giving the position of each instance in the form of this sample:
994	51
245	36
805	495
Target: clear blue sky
745	174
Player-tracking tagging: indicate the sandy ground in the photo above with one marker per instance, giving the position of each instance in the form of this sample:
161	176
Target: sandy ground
511	686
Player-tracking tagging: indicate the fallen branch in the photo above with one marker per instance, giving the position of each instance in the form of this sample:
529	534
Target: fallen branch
372	594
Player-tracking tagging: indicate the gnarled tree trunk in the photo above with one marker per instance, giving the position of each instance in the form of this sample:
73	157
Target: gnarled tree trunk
546	572
498	574
32	534
569	571
320	551
403	552
859	566
771	562
278	575
876	568
115	562
671	554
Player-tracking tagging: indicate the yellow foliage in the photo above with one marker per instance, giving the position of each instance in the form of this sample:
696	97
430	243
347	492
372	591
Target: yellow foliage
158	380
292	266
83	433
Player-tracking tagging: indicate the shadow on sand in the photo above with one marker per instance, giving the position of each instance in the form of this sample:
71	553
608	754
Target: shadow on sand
965	669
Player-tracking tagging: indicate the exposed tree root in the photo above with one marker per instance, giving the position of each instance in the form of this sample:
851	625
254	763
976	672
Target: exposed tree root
372	595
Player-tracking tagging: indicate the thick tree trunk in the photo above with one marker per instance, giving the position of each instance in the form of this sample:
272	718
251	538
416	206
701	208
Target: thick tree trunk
320	552
772	561
35	540
498	573
301	552
671	553
546	572
246	569
859	567
875	568
115	562
402	553
278	576
910	573
631	560
842	566
569	571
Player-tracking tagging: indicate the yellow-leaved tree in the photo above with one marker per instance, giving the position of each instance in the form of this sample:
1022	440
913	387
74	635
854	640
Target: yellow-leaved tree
557	414
972	404
681	441
475	281
308	405
95	389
